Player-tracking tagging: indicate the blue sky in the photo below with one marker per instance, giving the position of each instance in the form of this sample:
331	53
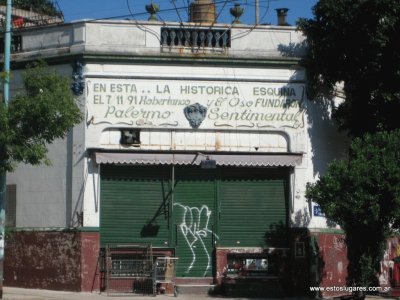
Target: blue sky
135	9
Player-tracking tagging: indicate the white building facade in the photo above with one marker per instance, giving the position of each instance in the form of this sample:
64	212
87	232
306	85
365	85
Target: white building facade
196	140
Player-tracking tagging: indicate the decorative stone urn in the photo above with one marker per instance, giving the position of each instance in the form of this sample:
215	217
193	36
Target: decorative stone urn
237	11
152	9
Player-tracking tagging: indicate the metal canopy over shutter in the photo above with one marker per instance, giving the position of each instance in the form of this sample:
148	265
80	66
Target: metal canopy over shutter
134	205
194	215
252	207
222	159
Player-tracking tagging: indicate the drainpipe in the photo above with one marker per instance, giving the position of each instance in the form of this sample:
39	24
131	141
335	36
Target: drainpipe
6	94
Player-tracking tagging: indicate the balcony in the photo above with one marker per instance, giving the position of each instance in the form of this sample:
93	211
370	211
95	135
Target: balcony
127	38
195	37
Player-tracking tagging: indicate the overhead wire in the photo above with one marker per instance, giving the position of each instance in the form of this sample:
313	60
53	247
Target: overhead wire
140	26
185	7
57	5
177	12
181	23
220	11
224	2
162	11
243	34
232	23
133	15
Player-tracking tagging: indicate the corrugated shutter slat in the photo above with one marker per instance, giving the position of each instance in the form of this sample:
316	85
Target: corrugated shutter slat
252	203
134	207
194	215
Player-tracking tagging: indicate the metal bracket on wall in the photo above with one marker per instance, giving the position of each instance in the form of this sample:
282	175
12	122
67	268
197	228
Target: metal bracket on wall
78	84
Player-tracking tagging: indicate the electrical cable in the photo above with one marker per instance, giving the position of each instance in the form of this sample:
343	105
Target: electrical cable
59	8
134	16
243	34
220	11
162	11
177	12
151	31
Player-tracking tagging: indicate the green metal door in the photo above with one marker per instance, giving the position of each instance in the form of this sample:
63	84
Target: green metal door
252	207
194	215
134	204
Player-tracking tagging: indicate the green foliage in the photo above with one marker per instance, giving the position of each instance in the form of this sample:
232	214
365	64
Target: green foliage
355	42
363	197
46	7
45	112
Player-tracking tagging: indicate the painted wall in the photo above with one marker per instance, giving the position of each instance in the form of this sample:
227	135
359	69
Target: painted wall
130	37
316	136
56	260
106	88
124	38
72	176
51	196
46	260
332	262
155	104
92	272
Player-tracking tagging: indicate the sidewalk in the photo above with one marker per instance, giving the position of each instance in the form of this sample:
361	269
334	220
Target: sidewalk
11	293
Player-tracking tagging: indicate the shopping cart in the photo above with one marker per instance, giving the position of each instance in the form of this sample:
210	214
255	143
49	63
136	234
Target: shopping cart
129	269
164	275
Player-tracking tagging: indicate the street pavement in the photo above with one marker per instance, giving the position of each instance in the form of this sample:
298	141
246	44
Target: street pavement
11	293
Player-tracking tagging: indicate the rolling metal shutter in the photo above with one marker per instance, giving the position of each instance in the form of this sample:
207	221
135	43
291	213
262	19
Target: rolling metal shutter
194	215
134	204
231	207
252	207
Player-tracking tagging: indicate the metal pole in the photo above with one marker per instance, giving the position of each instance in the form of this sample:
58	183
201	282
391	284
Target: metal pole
7	50
6	95
2	223
173	227
257	11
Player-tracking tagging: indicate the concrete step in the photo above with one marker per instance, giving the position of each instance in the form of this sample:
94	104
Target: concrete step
253	287
195	289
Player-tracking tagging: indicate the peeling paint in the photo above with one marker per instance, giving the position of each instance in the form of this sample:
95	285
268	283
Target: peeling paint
92	276
334	262
45	260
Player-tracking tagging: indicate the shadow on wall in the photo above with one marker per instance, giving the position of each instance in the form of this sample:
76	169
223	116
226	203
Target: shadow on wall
327	143
300	266
301	218
317	263
307	264
262	272
292	49
277	235
278	238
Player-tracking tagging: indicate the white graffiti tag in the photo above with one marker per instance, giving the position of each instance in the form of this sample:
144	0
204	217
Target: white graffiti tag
194	228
